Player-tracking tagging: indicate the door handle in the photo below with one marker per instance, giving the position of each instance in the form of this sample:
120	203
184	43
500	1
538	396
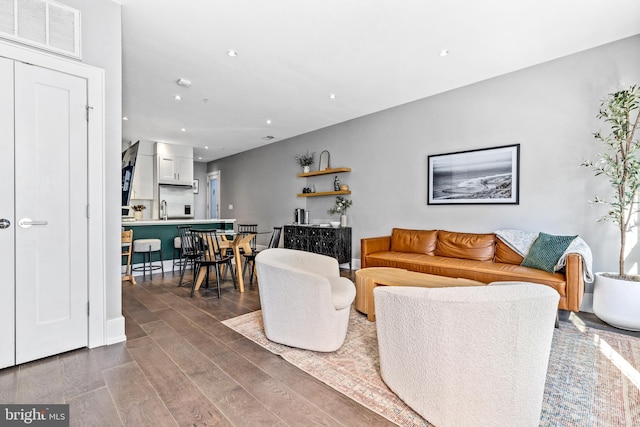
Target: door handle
27	222
4	223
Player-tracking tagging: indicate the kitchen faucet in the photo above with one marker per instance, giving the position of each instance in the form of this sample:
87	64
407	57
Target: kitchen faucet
163	210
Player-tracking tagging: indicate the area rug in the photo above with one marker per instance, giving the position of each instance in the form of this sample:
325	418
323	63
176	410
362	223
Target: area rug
593	377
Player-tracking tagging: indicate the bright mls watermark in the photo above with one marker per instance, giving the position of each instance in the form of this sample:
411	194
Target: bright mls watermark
34	415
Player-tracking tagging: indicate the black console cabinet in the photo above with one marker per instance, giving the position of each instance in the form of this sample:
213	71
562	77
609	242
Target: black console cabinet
333	242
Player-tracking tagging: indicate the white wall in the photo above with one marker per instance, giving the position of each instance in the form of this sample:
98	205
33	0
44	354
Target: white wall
200	199
550	109
102	47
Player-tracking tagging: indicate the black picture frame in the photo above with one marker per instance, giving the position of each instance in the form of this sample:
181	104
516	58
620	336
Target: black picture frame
475	177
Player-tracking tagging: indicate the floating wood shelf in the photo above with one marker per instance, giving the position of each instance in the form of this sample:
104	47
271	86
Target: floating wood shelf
324	193
324	172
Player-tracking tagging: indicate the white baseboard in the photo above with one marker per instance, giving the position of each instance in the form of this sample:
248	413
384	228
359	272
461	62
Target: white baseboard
115	331
168	265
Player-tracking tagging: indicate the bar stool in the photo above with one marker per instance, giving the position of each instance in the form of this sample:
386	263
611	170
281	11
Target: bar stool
146	247
177	253
127	243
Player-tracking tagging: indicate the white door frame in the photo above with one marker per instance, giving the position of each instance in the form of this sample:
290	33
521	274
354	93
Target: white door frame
210	175
96	147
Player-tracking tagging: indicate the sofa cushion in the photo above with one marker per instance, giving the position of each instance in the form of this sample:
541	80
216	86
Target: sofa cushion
481	271
478	247
546	251
507	255
414	241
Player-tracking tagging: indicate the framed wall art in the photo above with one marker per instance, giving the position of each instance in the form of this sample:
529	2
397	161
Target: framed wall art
484	176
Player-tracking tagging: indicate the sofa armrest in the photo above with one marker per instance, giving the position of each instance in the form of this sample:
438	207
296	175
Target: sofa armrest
574	275
371	245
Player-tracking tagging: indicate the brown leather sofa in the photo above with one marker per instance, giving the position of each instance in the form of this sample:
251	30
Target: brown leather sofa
481	257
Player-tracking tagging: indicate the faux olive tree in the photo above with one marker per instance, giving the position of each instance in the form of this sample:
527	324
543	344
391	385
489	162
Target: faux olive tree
620	163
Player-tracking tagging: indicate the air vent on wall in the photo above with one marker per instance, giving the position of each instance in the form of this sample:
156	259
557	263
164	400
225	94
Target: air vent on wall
41	23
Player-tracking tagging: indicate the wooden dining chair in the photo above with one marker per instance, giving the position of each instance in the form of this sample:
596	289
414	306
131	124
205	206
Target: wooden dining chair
127	248
212	255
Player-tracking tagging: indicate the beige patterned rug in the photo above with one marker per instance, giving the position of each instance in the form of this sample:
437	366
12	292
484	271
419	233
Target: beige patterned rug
593	377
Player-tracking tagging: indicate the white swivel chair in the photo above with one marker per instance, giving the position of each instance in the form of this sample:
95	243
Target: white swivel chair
472	356
305	303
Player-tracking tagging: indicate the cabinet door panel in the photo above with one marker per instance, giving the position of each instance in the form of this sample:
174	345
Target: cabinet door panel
166	170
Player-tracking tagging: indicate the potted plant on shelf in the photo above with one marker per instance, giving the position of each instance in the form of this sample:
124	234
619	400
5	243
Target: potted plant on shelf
305	160
137	211
616	296
341	207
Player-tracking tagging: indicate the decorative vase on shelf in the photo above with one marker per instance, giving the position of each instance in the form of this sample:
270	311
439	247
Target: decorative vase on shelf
137	215
305	169
343	220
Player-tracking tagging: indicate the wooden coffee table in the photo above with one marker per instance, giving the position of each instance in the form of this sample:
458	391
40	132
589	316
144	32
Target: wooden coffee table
368	278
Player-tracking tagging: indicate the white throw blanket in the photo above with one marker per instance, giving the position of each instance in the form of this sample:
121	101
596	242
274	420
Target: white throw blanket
521	242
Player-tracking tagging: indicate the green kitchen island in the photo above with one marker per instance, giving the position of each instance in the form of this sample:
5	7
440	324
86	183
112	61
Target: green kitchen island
167	230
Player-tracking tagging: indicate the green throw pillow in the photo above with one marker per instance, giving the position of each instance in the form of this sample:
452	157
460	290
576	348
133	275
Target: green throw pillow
546	251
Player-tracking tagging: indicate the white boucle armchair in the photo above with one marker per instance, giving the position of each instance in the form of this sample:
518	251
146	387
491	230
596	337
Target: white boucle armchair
305	303
468	356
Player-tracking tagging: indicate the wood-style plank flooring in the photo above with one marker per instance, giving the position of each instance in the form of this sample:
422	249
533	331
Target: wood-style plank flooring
181	366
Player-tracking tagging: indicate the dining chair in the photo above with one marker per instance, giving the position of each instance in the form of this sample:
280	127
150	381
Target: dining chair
177	249
244	229
250	259
211	256
190	250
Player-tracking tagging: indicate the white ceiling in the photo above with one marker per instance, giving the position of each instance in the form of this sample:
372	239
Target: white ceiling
292	54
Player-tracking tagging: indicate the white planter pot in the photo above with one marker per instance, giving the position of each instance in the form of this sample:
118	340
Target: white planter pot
617	302
306	169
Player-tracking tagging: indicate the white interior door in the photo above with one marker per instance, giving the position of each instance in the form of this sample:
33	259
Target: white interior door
7	223
213	194
51	196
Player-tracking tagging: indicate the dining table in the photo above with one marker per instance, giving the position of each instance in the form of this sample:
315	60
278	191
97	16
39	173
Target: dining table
239	241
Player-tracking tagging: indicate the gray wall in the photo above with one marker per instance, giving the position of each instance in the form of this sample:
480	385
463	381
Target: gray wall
549	109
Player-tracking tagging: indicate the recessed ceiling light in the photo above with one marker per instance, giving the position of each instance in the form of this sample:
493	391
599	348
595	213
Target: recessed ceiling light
232	53
183	130
199	158
444	52
206	147
268	121
125	118
332	96
177	98
184	82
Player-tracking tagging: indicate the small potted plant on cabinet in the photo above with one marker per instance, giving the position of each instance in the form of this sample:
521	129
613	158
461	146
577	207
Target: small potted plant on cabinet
616	296
305	160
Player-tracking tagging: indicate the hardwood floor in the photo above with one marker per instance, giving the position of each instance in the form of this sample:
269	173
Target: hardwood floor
181	366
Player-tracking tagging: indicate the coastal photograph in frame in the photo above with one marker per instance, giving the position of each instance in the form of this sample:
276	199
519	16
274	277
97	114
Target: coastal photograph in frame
484	176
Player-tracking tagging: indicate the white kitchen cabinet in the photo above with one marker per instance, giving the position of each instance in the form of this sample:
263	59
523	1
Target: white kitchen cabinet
174	164
143	178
